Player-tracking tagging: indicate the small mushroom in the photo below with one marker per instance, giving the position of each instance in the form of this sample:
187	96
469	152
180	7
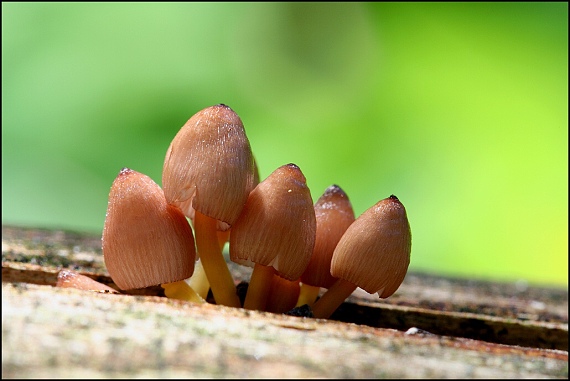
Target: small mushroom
72	279
208	172
145	240
276	231
283	294
334	214
373	254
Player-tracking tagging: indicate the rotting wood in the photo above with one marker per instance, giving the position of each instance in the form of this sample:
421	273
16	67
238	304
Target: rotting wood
72	333
461	324
61	332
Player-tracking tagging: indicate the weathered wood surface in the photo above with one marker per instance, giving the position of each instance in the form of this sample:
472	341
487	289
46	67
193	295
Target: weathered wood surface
432	327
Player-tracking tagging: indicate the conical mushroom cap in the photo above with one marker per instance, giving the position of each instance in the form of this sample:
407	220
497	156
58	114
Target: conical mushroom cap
223	229
334	215
277	225
209	165
145	240
374	252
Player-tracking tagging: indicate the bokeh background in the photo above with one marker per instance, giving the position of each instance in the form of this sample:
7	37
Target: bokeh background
459	109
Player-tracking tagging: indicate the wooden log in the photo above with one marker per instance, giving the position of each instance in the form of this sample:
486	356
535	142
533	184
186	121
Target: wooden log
432	327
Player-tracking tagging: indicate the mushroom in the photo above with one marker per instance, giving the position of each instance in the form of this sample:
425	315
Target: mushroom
208	173
276	231
334	214
283	294
199	280
71	279
145	240
373	254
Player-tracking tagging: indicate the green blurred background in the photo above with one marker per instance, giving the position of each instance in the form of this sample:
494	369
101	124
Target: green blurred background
459	109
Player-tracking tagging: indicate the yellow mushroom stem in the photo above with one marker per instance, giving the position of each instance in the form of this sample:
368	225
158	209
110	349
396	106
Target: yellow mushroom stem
332	299
308	294
182	291
199	281
258	289
215	266
223	237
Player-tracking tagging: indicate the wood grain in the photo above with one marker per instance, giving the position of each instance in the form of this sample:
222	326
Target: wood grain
432	327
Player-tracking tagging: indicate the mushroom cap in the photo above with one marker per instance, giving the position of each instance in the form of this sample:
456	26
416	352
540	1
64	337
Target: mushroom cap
334	214
71	279
146	241
223	229
277	225
283	295
209	165
374	252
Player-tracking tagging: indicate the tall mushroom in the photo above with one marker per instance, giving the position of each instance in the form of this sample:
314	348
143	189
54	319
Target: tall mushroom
276	231
373	254
208	172
145	240
334	215
199	280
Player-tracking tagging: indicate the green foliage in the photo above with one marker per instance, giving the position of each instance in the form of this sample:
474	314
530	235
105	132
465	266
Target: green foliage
459	109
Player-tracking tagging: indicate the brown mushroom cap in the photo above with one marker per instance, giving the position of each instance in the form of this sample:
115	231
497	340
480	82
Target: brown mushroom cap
374	252
334	214
145	240
283	294
277	225
223	229
71	279
209	165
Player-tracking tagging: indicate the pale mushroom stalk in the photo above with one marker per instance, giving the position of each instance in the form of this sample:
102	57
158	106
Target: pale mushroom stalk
199	281
182	291
215	266
258	290
332	299
308	294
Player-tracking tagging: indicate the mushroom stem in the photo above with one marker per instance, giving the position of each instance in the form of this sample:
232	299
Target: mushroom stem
308	294
199	281
215	266
332	299
258	289
181	290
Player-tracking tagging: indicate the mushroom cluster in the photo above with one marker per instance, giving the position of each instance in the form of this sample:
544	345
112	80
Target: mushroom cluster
211	194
